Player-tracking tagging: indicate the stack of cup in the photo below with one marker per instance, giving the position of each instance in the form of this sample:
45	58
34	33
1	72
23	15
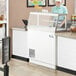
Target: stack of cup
73	18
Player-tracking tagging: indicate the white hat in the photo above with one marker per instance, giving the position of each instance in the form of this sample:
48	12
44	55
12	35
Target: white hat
59	0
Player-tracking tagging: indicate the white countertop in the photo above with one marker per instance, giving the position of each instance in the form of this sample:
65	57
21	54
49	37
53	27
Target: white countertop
42	28
20	29
3	22
36	28
48	29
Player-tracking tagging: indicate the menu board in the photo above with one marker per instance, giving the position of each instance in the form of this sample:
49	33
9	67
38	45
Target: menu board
5	50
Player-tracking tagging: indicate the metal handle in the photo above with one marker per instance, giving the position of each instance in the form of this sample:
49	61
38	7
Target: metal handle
51	36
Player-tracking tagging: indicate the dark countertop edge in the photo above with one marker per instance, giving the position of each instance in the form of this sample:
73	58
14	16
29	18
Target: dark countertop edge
68	34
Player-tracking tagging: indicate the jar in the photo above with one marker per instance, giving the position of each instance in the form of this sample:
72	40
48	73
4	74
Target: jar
1	18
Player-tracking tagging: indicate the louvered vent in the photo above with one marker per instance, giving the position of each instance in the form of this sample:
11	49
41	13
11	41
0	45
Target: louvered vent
31	52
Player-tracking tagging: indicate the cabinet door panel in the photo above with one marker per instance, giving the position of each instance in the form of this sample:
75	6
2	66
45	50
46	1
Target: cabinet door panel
43	45
67	53
20	43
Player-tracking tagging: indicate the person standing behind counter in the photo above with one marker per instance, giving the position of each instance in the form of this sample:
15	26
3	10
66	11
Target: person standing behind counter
60	9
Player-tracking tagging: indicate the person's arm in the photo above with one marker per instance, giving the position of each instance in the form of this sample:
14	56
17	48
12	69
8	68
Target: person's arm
65	12
63	22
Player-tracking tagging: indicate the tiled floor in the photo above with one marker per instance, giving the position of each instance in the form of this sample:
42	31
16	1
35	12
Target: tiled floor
21	68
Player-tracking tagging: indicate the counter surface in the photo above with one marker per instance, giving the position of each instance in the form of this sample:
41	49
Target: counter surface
66	34
3	22
20	28
62	34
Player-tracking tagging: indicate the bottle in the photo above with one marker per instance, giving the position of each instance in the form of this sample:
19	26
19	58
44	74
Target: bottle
1	18
75	19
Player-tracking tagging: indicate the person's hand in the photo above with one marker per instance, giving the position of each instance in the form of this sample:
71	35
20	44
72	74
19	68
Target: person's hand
60	25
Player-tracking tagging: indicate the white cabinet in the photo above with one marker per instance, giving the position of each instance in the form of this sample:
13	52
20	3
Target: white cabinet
20	40
39	43
4	10
67	53
44	45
